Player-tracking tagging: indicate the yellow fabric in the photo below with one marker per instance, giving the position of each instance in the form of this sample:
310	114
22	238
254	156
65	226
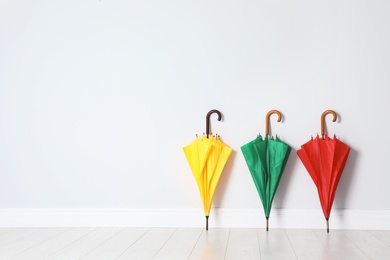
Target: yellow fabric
207	158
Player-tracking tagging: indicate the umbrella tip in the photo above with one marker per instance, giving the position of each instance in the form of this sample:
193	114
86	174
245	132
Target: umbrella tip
266	224
207	222
327	225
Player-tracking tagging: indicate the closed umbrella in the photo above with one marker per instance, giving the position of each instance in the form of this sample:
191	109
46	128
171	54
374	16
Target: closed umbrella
324	158
266	159
207	157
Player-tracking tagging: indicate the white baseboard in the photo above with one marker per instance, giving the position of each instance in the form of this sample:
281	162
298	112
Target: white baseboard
219	217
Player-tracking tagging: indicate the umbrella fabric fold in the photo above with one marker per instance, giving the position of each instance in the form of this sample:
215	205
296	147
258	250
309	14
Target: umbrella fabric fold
197	153
207	158
325	159
216	161
266	160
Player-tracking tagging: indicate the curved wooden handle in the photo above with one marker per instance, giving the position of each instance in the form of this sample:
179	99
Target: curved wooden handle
267	117
323	120
208	120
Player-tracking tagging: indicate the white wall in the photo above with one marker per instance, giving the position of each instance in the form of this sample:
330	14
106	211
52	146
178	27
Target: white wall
97	98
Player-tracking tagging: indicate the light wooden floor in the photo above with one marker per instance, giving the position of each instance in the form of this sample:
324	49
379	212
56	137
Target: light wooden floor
191	243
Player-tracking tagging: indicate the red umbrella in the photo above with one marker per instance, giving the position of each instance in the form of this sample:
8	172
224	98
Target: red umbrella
325	158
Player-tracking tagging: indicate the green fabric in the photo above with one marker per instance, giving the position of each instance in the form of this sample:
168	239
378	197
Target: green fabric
266	160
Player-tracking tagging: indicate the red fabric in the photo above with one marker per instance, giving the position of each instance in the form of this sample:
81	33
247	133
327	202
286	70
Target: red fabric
325	161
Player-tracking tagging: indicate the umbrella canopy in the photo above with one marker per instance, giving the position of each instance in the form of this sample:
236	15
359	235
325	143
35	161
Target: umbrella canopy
207	158
325	158
266	159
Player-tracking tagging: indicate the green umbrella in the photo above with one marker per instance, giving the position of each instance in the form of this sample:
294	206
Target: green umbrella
266	159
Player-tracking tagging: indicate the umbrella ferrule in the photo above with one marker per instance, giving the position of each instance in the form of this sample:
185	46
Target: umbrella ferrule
327	225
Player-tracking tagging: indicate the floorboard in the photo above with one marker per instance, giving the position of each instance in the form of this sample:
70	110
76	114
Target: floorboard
382	235
147	246
18	233
243	244
115	246
275	245
338	246
192	243
305	244
180	244
369	244
53	245
26	242
5	231
84	245
211	244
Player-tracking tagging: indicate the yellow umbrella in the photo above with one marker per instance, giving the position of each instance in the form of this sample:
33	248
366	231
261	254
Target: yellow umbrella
207	157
